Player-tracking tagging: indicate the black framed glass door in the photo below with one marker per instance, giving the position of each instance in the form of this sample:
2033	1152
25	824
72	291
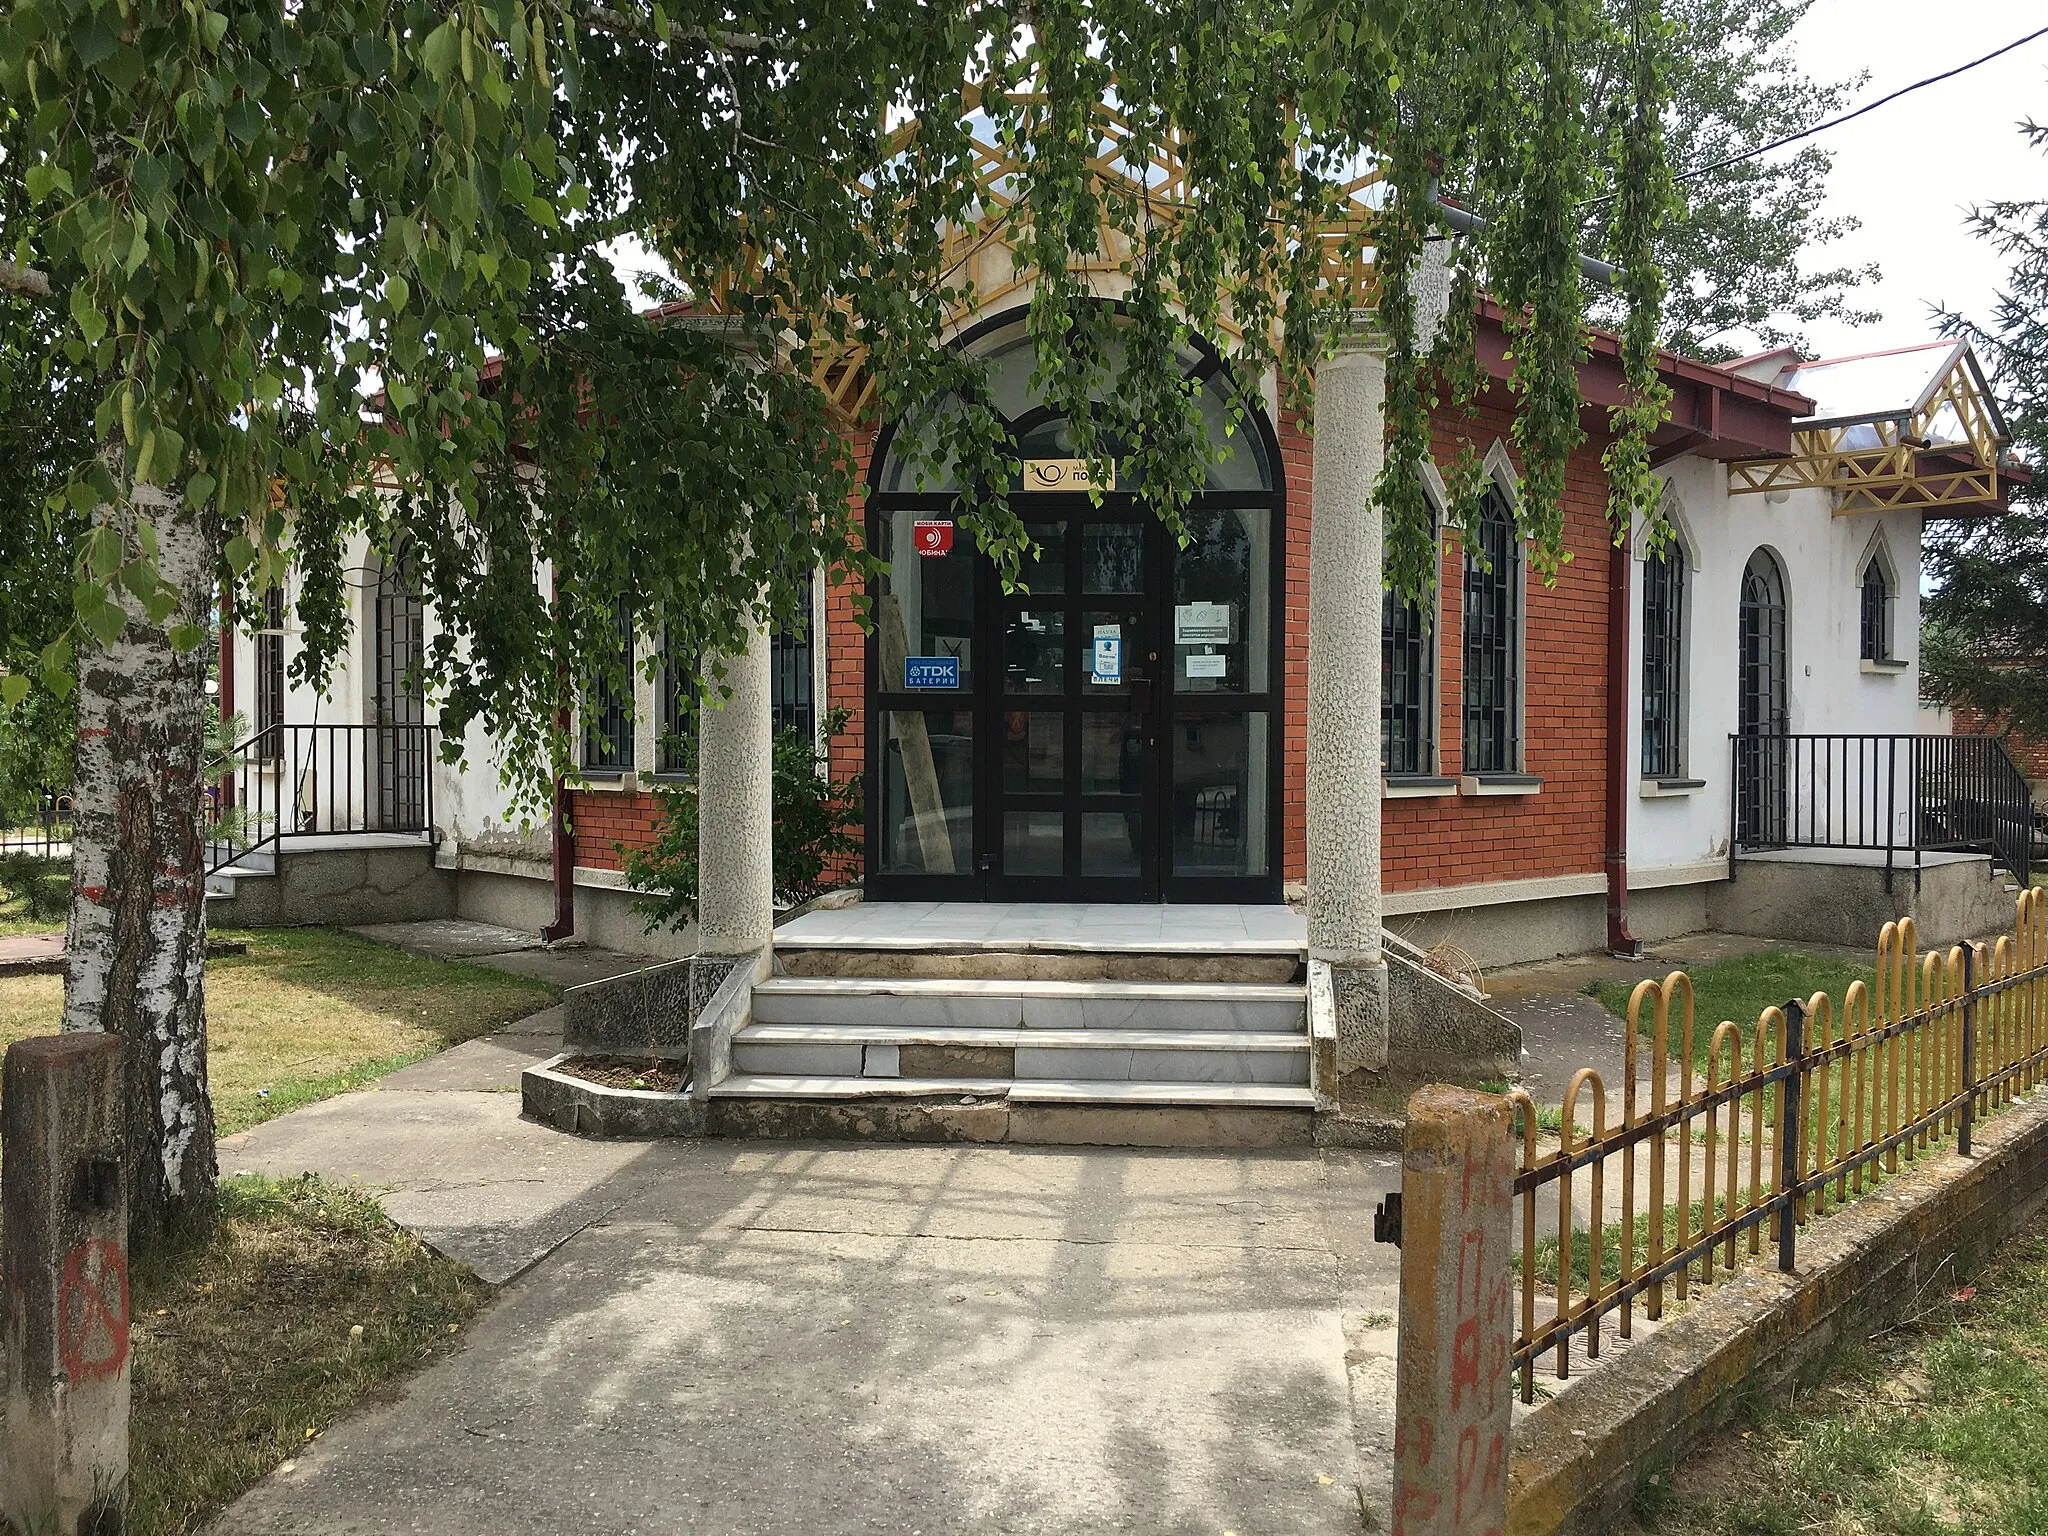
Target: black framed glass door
1072	767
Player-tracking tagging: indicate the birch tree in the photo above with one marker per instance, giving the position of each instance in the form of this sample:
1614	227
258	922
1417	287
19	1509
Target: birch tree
299	243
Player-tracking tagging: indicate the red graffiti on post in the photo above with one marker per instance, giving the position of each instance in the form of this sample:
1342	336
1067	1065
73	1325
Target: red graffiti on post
92	1312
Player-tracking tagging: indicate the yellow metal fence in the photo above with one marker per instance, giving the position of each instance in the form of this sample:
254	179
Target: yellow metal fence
1702	1160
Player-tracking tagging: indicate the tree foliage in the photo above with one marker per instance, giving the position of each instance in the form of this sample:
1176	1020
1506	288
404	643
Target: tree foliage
1986	637
1739	247
315	201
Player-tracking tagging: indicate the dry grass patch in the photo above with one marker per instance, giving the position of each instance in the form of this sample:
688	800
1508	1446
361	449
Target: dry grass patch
305	1299
308	1013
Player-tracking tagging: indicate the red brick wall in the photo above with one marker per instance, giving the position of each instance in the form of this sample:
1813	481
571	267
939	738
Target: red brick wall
605	819
1461	840
2029	755
1441	841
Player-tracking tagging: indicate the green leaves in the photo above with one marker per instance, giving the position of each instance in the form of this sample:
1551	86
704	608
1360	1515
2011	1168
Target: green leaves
442	50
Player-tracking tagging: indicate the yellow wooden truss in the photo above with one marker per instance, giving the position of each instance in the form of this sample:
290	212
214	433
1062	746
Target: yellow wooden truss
1944	451
979	256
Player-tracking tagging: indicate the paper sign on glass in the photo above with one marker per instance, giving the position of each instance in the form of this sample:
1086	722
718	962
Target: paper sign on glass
1208	666
1201	624
932	536
1109	660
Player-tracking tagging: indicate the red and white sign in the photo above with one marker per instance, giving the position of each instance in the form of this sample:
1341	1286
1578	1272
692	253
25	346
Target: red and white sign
933	537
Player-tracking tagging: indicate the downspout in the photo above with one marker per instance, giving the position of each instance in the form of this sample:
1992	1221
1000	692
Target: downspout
563	863
1620	563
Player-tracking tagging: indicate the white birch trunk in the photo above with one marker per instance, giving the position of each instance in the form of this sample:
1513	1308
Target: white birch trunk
136	947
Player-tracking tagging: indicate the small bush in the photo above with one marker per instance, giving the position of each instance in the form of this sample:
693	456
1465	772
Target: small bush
818	821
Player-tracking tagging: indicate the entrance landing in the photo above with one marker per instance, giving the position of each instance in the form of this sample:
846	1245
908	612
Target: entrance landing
1051	927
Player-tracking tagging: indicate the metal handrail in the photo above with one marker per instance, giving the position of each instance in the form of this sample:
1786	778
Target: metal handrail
294	781
1880	792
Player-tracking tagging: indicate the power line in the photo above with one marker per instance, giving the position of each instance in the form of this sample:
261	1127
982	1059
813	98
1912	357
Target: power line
1836	122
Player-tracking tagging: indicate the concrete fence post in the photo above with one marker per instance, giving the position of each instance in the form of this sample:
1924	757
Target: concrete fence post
64	1286
1453	1397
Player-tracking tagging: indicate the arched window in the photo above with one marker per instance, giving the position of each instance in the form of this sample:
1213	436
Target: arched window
1663	658
1760	648
1877	611
1493	613
1407	683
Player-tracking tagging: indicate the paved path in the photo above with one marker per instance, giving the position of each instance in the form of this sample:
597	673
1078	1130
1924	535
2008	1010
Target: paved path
24	954
741	1337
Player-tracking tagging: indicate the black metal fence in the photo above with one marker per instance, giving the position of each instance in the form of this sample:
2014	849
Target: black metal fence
1889	794
43	833
319	781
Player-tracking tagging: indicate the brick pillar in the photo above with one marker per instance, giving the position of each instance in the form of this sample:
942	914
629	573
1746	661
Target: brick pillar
1452	1401
64	1305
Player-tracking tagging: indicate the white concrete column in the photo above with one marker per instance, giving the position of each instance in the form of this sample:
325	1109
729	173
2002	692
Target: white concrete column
736	810
1344	596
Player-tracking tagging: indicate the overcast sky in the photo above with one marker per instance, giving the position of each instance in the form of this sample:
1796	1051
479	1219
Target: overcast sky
1911	170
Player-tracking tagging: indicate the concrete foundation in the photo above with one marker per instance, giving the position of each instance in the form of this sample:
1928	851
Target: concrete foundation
604	914
1436	1027
344	886
1823	898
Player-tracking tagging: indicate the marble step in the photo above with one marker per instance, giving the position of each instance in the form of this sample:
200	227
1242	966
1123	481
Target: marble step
1119	1055
1072	1091
1261	1008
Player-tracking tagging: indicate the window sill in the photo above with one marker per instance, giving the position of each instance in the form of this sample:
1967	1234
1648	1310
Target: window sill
667	779
1416	786
1887	667
606	780
1662	789
1500	784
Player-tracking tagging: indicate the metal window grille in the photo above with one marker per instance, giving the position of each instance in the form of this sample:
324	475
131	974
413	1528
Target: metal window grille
1405	734
1663	637
1493	584
400	704
608	727
1760	702
1877	597
789	681
677	752
270	694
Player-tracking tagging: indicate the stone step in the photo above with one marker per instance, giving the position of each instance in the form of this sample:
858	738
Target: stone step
795	957
1264	1008
1071	1091
1119	1055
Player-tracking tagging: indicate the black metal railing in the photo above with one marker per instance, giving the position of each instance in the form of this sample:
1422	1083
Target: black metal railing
290	781
41	833
1889	794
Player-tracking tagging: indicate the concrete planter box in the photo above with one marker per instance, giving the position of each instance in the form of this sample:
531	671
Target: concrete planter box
591	1109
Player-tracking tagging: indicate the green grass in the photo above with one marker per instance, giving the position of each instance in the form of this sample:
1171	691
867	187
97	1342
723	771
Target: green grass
33	894
1940	1428
1739	988
308	1013
246	1347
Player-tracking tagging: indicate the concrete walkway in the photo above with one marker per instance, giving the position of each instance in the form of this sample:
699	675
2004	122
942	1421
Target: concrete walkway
785	1337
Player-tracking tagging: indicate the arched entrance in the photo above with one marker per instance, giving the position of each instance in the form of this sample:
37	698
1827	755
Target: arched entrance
398	707
1113	732
1762	717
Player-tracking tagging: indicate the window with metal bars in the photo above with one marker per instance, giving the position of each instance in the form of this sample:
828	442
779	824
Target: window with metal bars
1406	739
608	725
677	751
789	680
1493	604
1663	659
270	691
1877	612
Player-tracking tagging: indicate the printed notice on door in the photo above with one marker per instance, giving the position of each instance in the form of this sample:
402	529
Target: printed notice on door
1201	624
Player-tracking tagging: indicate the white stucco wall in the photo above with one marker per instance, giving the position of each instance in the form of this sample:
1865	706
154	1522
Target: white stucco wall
1827	686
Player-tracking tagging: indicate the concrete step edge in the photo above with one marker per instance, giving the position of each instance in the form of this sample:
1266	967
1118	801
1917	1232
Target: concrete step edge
1119	991
1075	1091
1061	1039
